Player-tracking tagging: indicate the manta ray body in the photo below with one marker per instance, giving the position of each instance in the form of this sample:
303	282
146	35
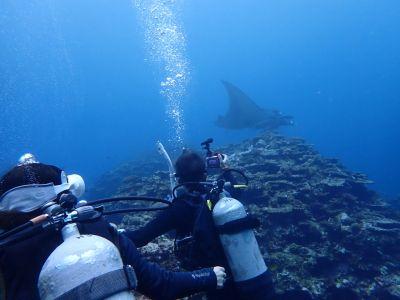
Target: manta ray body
243	113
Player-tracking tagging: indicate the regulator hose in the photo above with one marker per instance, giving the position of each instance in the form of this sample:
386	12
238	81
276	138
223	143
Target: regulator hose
224	175
203	183
37	224
241	173
129	198
133	209
130	210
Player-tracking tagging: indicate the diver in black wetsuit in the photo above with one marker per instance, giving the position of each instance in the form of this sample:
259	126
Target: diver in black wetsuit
20	263
197	243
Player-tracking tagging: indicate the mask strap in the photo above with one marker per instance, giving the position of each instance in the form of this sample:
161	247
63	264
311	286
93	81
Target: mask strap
61	188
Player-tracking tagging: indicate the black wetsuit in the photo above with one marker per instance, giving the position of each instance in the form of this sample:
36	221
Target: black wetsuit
181	216
21	263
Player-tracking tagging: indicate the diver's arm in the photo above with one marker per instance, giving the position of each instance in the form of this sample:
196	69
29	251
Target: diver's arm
162	223
158	283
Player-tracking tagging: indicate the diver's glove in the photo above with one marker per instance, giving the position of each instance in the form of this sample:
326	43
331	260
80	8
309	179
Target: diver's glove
180	191
223	158
221	276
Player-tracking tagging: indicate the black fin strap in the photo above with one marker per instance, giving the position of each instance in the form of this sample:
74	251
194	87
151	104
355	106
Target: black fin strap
103	286
248	222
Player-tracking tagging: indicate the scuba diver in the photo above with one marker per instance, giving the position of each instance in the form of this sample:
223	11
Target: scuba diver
197	242
35	263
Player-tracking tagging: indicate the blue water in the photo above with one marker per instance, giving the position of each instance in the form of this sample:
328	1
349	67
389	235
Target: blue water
84	84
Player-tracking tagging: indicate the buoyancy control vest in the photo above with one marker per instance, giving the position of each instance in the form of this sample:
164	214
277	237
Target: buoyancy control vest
223	234
200	246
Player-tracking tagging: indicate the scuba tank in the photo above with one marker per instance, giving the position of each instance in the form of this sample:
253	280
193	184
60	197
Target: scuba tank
85	267
235	229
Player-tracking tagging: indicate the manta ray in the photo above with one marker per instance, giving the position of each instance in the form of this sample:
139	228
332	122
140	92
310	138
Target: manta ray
243	113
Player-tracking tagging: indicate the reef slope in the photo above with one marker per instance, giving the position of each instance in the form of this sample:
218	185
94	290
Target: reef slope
322	229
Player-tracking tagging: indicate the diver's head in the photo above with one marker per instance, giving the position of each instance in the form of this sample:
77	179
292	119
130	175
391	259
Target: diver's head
30	189
27	158
26	174
190	167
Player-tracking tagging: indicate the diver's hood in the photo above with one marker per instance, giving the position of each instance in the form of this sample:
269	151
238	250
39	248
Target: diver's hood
27	158
32	197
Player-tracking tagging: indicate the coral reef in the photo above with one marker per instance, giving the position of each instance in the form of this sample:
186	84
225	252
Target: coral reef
322	229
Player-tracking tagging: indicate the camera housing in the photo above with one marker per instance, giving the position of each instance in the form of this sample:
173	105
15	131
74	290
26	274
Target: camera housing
213	162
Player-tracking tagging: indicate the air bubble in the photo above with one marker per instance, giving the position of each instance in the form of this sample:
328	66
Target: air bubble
166	45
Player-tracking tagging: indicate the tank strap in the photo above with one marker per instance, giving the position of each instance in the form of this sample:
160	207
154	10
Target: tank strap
248	222
104	286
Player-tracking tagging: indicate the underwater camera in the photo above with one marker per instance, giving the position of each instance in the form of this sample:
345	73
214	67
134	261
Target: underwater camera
213	160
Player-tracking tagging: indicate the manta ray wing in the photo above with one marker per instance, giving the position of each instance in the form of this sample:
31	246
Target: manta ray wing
242	112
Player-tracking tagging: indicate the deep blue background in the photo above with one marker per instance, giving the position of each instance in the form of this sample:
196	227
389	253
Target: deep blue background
76	87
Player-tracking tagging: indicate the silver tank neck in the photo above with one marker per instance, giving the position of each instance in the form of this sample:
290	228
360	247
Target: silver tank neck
70	230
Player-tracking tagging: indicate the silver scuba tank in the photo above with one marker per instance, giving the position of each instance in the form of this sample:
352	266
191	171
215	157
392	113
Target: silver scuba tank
240	246
84	267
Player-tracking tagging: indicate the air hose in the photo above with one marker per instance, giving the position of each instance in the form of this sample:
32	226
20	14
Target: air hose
164	153
131	198
226	173
222	178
